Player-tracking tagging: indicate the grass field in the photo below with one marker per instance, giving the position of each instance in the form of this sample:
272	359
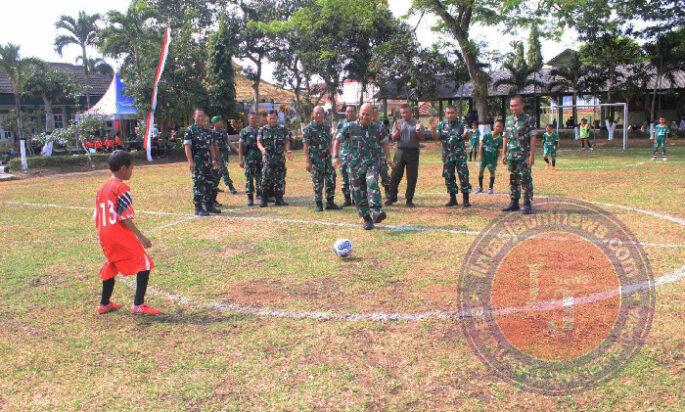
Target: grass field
57	354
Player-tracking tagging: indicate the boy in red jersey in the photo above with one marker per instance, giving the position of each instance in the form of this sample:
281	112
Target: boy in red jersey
122	243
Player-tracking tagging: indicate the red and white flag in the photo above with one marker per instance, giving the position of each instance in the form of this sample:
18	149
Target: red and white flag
150	122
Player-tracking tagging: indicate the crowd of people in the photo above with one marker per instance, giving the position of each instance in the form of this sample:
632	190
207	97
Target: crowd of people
359	146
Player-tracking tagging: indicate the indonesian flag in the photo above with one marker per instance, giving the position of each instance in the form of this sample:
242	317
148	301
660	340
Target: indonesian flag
147	144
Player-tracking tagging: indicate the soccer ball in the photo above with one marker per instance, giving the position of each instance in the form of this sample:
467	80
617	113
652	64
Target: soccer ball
342	248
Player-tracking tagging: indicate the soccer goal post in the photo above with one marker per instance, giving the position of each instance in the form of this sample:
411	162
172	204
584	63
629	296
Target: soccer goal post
555	110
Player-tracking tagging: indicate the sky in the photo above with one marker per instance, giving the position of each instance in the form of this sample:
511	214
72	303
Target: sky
31	25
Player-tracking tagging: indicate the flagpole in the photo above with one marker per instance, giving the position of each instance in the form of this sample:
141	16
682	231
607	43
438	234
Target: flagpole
150	121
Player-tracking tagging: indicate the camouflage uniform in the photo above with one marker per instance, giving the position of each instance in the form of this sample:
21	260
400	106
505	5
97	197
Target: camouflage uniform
454	156
252	159
273	172
364	164
200	140
384	135
344	169
518	132
221	137
318	137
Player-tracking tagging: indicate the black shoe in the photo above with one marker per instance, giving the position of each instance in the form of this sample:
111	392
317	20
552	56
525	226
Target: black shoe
319	206
262	201
232	190
466	202
452	202
513	206
201	212
219	190
217	205
410	204
368	222
379	216
330	205
280	202
250	200
527	208
391	199
213	210
348	201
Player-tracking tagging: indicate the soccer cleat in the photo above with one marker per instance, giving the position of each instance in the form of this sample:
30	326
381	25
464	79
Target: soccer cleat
330	205
592	149
201	212
663	159
219	190
491	191
479	190
465	197
391	199
410	204
110	307
653	158
368	222
144	309
218	205
348	201
513	206
319	206
453	201
379	216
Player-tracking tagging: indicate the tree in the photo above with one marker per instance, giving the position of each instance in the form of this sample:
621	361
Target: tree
220	70
81	32
569	77
519	72
606	53
97	65
52	85
534	54
666	54
18	70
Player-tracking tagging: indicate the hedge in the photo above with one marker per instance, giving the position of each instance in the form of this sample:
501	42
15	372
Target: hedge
81	160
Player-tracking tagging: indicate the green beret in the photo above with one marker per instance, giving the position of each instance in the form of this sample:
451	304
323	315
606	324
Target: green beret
216	118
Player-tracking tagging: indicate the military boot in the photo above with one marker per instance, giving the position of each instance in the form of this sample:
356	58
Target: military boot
513	206
453	201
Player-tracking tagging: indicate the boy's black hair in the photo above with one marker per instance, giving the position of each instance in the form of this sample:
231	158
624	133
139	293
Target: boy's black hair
550	125
273	112
117	159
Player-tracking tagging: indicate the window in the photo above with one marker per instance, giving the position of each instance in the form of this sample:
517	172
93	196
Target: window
59	121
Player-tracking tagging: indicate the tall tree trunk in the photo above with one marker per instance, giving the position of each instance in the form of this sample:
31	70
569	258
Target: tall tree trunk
332	90
18	121
574	111
87	73
49	116
652	113
460	30
362	92
255	85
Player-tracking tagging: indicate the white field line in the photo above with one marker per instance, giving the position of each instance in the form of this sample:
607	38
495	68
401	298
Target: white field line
398	228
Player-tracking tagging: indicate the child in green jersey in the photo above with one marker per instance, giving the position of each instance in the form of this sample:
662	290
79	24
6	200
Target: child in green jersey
661	132
550	142
474	141
488	153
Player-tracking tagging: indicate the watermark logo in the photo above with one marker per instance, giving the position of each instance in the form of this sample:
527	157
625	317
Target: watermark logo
558	301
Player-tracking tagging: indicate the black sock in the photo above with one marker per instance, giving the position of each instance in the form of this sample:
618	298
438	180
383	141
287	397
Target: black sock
107	289
546	159
554	162
492	182
480	181
141	287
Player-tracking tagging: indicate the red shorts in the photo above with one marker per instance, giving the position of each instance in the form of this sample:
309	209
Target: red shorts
126	256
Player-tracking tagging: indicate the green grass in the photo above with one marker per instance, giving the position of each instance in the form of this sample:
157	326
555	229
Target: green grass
57	354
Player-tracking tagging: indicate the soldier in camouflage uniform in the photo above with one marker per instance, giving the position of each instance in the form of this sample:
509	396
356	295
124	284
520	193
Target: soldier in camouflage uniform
200	151
364	164
251	158
453	135
221	137
350	116
316	139
384	134
273	141
519	155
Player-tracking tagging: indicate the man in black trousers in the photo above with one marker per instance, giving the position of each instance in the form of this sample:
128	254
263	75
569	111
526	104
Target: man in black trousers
406	132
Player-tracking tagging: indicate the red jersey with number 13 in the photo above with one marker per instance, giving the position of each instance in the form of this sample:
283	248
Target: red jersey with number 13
123	251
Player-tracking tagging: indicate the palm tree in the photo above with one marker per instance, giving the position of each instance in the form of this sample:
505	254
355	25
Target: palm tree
519	77
81	32
569	77
97	65
18	70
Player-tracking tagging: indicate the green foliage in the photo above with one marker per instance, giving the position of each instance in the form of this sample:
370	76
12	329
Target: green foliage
68	161
220	71
53	84
534	55
91	125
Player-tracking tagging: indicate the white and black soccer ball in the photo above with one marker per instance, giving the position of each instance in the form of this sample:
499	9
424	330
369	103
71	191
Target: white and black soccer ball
342	248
